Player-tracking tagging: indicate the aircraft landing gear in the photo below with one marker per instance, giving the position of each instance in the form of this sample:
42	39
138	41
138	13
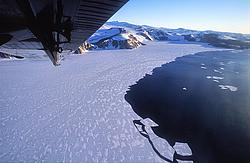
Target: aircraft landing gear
55	31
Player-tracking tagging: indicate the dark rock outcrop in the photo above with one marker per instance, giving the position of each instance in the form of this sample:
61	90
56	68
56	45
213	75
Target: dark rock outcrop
84	47
214	40
145	35
158	35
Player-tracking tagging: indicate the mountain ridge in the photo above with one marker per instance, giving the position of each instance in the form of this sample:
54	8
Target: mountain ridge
129	36
123	35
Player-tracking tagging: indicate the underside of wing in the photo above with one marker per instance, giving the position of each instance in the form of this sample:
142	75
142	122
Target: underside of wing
52	25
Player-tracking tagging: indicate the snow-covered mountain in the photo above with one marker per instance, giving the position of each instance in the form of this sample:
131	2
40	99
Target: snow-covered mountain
179	31
123	35
113	38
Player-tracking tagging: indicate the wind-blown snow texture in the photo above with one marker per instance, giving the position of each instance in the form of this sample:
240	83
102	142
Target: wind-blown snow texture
77	112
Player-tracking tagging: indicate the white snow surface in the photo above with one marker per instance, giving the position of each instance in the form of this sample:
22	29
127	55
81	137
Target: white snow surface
104	33
175	37
77	112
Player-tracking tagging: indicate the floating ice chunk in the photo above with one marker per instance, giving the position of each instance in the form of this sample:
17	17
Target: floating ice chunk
217	78
150	132
209	77
221	68
203	64
222	63
217	71
159	144
182	149
164	148
203	67
184	89
231	88
149	122
217	81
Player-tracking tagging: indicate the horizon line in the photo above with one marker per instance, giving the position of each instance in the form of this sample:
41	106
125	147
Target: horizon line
200	30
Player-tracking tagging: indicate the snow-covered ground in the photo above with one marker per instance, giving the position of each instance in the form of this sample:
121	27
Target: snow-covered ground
77	112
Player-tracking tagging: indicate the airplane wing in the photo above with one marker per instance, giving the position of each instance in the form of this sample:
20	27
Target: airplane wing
52	25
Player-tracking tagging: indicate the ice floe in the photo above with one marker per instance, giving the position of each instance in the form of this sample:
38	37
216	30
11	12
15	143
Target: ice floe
182	149
159	145
215	77
217	71
229	87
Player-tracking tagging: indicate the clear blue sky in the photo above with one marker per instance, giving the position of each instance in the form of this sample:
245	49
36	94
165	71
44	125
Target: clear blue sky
220	15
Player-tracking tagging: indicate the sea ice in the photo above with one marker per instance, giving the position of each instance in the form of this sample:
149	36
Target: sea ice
231	88
215	77
77	112
182	149
217	71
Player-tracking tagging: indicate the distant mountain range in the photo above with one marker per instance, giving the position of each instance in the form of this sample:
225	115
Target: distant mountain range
123	35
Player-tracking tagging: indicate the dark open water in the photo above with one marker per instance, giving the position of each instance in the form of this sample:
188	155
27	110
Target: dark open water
201	99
